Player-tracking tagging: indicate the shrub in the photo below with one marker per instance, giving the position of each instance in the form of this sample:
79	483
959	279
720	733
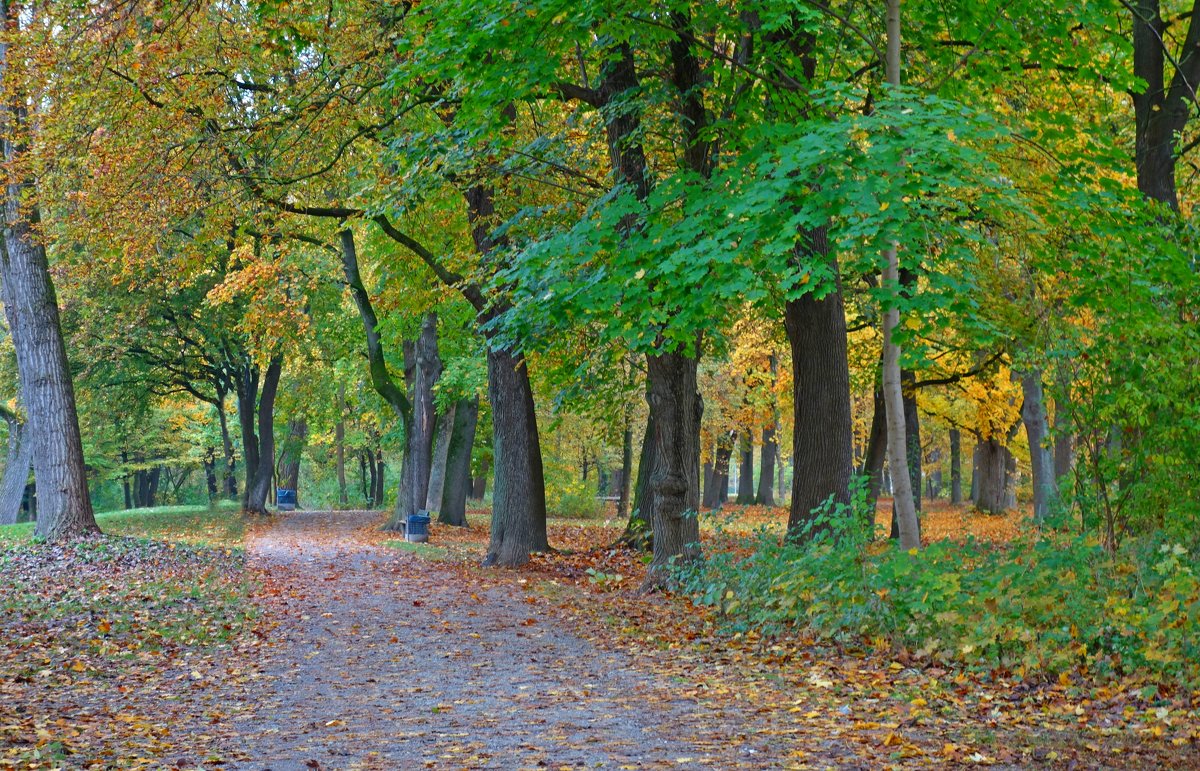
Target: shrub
1044	604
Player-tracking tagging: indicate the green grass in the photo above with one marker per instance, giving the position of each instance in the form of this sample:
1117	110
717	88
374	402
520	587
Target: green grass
220	526
422	550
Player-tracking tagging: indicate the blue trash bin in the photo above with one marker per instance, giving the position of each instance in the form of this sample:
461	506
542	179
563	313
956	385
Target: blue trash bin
285	500
416	530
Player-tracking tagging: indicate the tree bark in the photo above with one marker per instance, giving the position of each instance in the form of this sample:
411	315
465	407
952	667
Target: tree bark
479	483
441	455
991	477
64	507
766	468
230	471
639	534
956	492
264	474
518	487
17	465
876	453
453	507
746	468
339	441
625	481
1064	449
247	382
674	481
905	512
822	437
1037	429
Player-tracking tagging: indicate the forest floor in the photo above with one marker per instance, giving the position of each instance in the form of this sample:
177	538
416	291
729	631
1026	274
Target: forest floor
327	644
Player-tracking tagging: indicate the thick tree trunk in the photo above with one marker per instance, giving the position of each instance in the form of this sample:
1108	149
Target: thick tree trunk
453	507
264	473
956	492
639	533
441	455
706	488
822	438
766	469
52	425
17	466
27	290
518	489
992	478
675	403
746	468
1037	429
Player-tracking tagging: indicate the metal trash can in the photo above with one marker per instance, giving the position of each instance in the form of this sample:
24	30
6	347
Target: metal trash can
285	499
416	529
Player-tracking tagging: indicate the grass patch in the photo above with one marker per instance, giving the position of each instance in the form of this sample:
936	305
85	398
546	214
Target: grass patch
422	550
223	525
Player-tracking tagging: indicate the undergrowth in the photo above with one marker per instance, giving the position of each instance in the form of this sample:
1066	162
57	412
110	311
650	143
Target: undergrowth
1044	604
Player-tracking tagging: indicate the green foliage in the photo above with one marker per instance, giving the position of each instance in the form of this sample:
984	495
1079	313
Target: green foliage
1040	606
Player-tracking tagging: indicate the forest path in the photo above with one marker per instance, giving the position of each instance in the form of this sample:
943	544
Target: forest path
380	659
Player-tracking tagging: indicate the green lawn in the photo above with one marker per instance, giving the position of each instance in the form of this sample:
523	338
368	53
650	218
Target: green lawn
220	526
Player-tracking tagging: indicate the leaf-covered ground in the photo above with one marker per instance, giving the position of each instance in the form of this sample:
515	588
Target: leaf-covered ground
332	646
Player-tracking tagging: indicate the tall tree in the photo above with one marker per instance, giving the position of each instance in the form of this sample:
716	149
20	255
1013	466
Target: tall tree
31	306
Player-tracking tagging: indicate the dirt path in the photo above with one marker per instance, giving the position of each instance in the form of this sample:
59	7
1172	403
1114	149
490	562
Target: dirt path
382	660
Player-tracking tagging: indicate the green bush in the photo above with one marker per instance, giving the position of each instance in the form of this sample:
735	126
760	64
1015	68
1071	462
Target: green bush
1045	604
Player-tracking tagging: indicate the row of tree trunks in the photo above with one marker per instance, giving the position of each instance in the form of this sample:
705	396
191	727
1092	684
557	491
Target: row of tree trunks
422	367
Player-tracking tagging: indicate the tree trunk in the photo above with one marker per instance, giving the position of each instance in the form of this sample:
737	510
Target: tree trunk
905	511
441	456
720	480
706	489
1037	429
876	454
291	454
230	472
379	475
675	477
247	382
210	475
746	469
1064	449
912	430
626	470
264	473
956	493
991	478
339	441
453	506
422	366
518	490
639	533
822	437
64	507
17	465
479	483
766	468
